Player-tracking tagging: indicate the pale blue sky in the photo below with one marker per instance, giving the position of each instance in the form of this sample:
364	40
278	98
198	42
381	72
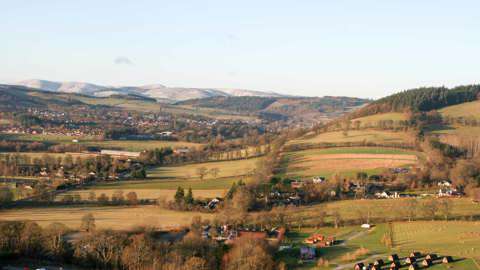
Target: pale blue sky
354	48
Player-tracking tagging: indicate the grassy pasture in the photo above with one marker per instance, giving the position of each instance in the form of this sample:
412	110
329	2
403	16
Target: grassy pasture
345	160
467	110
171	184
233	168
186	176
43	138
374	119
34	155
456	238
113	217
127	145
349	209
5	121
374	136
353	237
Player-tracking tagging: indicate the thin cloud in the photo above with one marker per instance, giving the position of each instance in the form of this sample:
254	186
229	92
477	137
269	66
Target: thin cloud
122	60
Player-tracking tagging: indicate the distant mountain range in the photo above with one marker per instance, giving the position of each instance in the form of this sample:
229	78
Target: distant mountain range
157	91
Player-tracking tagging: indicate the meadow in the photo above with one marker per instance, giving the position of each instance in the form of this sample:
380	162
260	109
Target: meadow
108	217
456	238
466	110
40	155
234	168
89	141
186	176
364	135
137	145
345	161
354	238
351	210
374	119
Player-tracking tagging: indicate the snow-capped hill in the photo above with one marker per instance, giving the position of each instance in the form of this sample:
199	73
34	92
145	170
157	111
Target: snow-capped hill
244	92
41	84
157	91
66	87
81	88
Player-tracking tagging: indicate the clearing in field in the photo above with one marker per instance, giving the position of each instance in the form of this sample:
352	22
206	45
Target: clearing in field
111	217
372	136
466	110
345	160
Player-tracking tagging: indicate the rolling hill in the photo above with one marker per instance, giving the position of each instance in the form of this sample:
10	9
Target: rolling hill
296	109
157	91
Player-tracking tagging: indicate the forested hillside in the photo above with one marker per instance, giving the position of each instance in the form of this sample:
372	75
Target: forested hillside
422	99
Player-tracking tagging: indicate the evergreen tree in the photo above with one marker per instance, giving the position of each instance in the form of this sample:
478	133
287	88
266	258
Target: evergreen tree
180	195
189	197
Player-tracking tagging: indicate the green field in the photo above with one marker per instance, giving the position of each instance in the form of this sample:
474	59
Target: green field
461	131
34	155
137	146
374	136
374	119
456	238
186	176
353	238
5	121
466	110
126	145
226	169
106	217
171	184
351	209
42	138
345	161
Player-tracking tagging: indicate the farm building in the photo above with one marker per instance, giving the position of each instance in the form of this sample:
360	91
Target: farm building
366	226
307	253
393	258
415	254
449	192
359	266
427	262
320	240
318	179
379	262
395	265
445	183
413	267
410	260
447	259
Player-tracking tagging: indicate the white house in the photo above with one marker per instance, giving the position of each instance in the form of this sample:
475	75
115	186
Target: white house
318	179
445	183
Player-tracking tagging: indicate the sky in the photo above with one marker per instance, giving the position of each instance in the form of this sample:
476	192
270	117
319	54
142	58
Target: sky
314	48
